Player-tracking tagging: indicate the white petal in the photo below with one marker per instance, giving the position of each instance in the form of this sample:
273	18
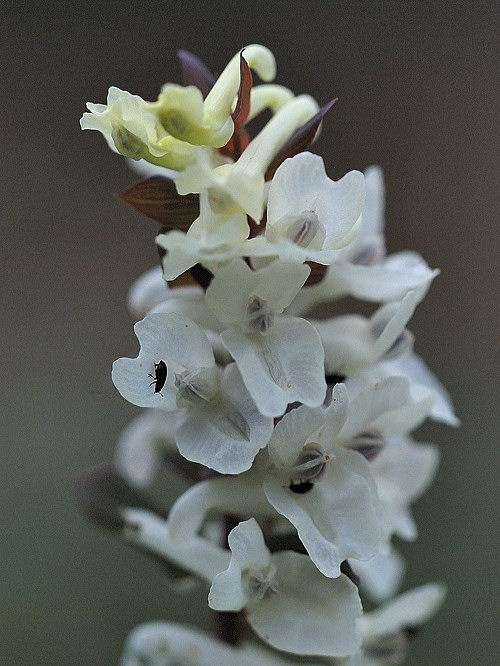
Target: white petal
247	545
226	436
230	290
178	341
284	366
381	283
240	495
368	406
146	292
394	318
249	553
227	592
196	555
308	614
337	518
410	609
291	433
301	185
424	382
381	575
190	302
373	212
403	472
348	342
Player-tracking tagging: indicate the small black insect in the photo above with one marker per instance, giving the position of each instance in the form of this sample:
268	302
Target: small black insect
160	376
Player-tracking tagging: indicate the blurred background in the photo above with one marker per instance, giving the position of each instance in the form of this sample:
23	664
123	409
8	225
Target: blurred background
418	91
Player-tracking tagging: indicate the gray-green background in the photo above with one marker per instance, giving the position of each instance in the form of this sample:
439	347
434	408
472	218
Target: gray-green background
418	94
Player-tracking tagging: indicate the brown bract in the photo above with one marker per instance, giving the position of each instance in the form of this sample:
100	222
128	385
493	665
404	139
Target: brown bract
157	198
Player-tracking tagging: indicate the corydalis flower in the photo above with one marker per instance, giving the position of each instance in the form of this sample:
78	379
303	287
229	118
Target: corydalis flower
166	132
169	644
286	600
131	129
212	240
315	472
280	359
220	426
309	216
387	631
362	269
141	444
184	113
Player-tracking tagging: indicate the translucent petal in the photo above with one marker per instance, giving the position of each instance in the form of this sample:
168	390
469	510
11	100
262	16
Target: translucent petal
347	341
403	472
338	517
301	185
176	340
381	575
196	555
410	609
227	592
368	406
385	282
227	435
276	285
146	292
249	553
284	366
247	545
308	614
391	320
211	239
291	433
189	305
373	212
424	382
240	495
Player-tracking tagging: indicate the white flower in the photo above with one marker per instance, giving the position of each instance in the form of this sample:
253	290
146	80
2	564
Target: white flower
381	575
315	473
191	375
389	280
403	471
171	644
286	600
212	240
280	359
362	269
250	299
148	290
423	383
220	426
387	630
309	216
321	480
352	342
324	489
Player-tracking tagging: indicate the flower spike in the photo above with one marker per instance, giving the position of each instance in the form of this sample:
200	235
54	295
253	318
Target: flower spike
290	423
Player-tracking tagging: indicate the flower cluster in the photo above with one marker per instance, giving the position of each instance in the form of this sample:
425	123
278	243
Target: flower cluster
291	422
